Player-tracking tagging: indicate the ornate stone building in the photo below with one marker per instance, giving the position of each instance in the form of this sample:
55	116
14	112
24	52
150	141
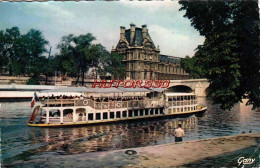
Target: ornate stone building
143	60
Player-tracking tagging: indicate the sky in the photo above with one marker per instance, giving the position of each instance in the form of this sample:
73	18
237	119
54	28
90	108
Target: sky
166	24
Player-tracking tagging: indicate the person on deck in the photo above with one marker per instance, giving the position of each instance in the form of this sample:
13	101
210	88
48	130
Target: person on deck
178	133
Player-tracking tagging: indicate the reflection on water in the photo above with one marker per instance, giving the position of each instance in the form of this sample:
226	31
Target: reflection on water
20	142
116	136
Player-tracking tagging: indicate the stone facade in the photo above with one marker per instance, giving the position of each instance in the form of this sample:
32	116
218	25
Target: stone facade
143	60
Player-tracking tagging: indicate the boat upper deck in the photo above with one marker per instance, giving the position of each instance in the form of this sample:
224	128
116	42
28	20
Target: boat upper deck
144	103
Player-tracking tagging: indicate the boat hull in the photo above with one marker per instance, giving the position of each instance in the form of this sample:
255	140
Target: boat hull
81	123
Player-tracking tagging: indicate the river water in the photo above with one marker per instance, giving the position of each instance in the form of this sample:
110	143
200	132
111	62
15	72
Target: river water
20	142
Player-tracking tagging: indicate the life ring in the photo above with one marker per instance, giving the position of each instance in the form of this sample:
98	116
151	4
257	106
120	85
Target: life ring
118	105
130	152
146	104
85	102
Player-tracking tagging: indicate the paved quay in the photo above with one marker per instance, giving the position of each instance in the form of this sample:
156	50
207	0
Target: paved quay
213	152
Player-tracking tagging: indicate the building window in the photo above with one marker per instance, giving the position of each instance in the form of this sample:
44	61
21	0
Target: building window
132	75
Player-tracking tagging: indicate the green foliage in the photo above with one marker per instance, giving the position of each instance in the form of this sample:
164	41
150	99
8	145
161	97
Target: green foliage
229	57
73	54
115	66
191	66
33	81
23	55
22	52
78	54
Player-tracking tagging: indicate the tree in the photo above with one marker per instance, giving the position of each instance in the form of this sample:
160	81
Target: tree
22	53
77	54
189	66
34	47
229	56
10	46
115	66
3	56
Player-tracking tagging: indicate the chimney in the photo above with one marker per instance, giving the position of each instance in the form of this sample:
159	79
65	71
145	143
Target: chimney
122	32
144	31
132	33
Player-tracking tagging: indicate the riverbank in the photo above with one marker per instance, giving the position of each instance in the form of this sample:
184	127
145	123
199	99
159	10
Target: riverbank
213	152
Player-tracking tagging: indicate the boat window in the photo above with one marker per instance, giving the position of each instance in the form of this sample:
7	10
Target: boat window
142	112
118	114
43	112
130	113
90	117
105	116
136	113
161	110
112	115
146	111
124	114
156	111
54	113
98	116
151	112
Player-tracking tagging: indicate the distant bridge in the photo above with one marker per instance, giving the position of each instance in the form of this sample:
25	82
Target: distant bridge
198	86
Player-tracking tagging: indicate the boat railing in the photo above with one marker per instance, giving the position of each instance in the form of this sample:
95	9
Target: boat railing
103	105
182	102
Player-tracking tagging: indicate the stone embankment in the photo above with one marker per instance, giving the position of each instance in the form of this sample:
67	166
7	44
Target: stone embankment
214	152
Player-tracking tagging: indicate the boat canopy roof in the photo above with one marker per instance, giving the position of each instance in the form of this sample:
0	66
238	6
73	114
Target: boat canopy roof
66	89
101	90
105	90
157	89
83	90
111	90
179	94
134	89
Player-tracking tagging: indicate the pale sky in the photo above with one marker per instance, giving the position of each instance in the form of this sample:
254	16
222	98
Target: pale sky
166	24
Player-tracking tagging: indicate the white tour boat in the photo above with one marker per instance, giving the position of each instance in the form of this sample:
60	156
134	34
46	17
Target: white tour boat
92	110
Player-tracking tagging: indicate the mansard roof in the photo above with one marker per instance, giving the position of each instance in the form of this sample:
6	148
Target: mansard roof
138	37
167	58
